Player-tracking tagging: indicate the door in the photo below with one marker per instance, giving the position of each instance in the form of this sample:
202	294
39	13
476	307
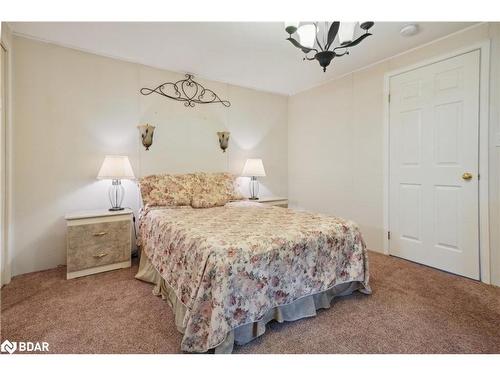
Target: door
434	164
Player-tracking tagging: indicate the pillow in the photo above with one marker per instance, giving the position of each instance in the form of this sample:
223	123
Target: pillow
167	190
214	189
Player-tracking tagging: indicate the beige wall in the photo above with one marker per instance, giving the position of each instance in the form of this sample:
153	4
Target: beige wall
72	108
335	148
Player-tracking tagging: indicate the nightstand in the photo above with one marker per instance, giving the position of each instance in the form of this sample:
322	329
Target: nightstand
98	241
273	201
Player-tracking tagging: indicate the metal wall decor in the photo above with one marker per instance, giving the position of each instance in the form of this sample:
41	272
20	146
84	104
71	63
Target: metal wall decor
223	140
188	91
147	132
318	38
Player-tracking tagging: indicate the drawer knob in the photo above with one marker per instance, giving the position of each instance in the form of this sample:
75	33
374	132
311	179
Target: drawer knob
100	255
99	234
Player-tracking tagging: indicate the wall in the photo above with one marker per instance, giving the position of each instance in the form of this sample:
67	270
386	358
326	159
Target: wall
335	148
71	108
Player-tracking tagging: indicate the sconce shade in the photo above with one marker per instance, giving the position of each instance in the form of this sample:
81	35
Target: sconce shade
223	140
116	168
254	168
147	132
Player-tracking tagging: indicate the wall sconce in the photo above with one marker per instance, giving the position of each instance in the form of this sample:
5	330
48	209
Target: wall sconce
223	140
147	132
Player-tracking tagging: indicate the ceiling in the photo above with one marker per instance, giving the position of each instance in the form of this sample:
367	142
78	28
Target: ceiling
249	54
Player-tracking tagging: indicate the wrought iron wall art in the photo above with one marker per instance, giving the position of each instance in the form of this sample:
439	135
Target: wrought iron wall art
223	140
188	91
147	132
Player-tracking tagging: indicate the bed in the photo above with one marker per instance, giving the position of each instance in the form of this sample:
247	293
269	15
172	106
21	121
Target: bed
227	270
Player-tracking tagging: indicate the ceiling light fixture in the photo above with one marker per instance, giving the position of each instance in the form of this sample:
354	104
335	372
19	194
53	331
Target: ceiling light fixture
308	39
409	30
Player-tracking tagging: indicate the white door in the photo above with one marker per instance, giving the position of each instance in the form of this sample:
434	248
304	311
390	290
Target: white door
434	164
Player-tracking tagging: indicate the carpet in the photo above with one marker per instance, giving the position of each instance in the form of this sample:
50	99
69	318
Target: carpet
413	309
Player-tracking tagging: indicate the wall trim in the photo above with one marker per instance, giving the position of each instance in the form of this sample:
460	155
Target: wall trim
32	37
484	229
136	62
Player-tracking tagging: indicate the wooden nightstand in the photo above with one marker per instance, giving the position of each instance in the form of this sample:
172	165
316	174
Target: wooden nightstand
273	201
98	241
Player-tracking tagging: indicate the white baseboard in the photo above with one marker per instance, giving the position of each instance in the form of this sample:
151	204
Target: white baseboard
91	271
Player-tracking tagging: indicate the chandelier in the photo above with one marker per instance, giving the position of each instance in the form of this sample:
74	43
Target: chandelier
318	37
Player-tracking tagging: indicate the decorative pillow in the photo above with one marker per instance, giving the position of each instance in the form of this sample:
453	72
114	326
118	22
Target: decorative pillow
167	190
214	189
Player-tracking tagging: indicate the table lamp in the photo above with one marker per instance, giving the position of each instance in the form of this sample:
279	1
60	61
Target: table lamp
116	168
254	168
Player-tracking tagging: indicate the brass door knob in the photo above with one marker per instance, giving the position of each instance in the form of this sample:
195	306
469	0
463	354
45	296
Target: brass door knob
467	176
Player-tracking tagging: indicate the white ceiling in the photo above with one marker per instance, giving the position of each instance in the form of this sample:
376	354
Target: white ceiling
248	54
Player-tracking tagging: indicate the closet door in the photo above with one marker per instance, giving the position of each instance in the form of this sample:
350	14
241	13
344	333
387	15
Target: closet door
434	164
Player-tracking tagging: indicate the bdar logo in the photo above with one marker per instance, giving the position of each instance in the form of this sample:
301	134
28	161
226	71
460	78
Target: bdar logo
9	347
24	346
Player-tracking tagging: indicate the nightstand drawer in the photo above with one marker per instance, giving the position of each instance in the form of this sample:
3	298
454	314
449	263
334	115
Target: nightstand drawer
98	244
82	257
100	234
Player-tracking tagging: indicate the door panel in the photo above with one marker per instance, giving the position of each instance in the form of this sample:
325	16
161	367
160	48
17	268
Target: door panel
434	140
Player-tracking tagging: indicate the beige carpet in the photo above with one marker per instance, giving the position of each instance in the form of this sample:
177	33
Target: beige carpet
413	309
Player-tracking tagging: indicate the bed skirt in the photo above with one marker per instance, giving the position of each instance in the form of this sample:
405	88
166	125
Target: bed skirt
302	308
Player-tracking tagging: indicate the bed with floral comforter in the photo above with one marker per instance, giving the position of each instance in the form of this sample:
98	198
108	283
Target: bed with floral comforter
228	266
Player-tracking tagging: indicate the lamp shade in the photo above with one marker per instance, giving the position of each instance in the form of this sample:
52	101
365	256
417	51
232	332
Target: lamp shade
116	168
307	35
346	32
253	168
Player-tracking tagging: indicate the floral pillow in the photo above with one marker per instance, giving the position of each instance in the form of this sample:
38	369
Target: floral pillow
214	189
167	190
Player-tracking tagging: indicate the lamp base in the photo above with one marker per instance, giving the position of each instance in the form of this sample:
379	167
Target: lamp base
254	188
116	209
116	193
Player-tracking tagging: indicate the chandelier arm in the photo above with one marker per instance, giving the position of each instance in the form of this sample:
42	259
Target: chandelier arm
316	36
319	44
332	33
355	42
346	52
300	46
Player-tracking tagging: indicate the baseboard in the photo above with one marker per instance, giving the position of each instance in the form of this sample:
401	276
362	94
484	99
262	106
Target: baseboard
91	271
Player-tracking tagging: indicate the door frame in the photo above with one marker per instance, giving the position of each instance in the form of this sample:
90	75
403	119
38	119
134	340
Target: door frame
4	256
484	79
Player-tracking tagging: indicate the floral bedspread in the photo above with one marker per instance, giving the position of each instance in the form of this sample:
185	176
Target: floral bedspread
229	265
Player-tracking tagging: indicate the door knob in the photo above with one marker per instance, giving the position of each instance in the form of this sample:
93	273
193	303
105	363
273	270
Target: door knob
467	176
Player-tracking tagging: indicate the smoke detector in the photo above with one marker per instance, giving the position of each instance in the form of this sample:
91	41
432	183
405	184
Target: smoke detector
409	30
